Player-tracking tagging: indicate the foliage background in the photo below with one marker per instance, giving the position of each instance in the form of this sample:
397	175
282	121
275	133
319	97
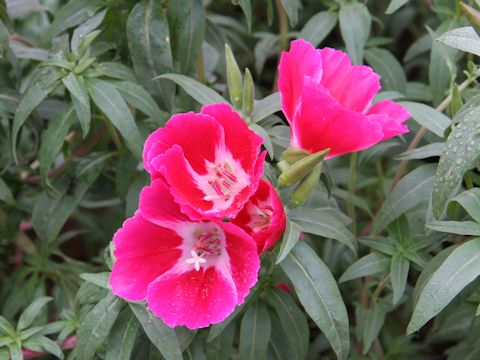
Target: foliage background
77	100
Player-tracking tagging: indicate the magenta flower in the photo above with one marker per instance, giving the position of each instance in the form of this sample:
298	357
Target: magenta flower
263	217
190	272
327	102
210	161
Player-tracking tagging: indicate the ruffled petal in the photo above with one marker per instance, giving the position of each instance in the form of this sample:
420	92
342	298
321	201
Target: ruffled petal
301	60
391	116
321	122
354	86
198	135
240	141
143	251
194	299
244	261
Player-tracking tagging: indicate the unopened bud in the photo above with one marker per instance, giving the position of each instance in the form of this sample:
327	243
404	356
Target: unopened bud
234	79
457	102
291	155
306	186
248	94
301	168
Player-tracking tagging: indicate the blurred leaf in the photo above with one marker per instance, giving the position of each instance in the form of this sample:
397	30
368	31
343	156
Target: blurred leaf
459	269
5	193
122	336
254	332
374	319
264	48
100	279
423	152
318	27
217	329
418	47
391	72
43	343
160	335
80	99
456	227
31	312
464	38
319	294
267	142
246	7
116	71
428	117
290	238
395	5
398	275
470	201
291	9
280	347
148	34
221	347
202	93
266	107
96	325
355	23
111	103
370	264
459	155
409	192
186	20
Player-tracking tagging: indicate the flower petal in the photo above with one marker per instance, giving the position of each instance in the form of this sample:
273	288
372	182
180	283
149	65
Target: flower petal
301	60
321	122
354	86
391	116
195	299
143	251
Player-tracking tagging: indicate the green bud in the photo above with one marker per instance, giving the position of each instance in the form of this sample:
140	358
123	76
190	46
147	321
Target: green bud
234	79
305	187
301	168
291	156
456	103
248	94
472	15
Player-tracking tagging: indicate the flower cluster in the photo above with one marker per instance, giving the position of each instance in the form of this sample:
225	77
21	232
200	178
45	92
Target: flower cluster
192	248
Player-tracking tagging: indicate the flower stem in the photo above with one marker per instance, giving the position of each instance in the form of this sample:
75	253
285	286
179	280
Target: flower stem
351	189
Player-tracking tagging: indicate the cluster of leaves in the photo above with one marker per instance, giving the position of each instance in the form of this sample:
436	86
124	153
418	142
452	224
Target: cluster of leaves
84	82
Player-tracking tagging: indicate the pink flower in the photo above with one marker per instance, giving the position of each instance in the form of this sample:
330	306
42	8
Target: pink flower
210	161
327	102
190	272
263	217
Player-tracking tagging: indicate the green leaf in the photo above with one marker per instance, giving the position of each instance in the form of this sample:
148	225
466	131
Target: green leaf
391	72
319	294
459	269
322	223
81	32
459	155
148	40
50	213
291	8
202	93
43	343
73	13
409	192
254	332
470	201
5	193
267	142
318	27
373	321
138	97
428	117
398	275
116	71
95	326
290	238
217	329
423	152
15	351
31	312
80	100
160	335
246	7
355	23
379	243
122	336
186	20
395	5
110	102
456	227
464	38
280	347
6	328
370	264
101	279
266	107
292	319
220	348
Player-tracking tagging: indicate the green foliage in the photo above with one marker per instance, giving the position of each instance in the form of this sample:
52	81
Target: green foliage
83	83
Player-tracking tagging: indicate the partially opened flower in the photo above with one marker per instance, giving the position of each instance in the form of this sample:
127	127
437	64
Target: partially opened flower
211	161
327	102
191	273
263	217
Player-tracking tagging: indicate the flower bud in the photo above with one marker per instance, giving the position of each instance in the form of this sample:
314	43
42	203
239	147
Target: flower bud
234	79
301	168
305	187
248	94
291	156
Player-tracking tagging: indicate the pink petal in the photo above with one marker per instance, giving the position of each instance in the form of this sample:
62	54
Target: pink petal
244	261
195	299
321	122
143	251
240	141
301	60
354	86
391	116
197	134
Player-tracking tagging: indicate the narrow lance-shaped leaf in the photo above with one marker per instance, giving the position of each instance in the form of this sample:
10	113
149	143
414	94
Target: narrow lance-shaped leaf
391	72
267	106
398	275
456	227
290	238
254	332
464	38
80	99
459	269
318	27
355	23
31	312
470	201
370	264
318	292
428	117
122	336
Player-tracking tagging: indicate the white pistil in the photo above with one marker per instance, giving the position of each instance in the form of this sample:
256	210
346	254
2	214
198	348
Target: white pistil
196	260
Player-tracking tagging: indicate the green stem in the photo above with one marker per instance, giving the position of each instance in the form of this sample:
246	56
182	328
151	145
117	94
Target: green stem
351	189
